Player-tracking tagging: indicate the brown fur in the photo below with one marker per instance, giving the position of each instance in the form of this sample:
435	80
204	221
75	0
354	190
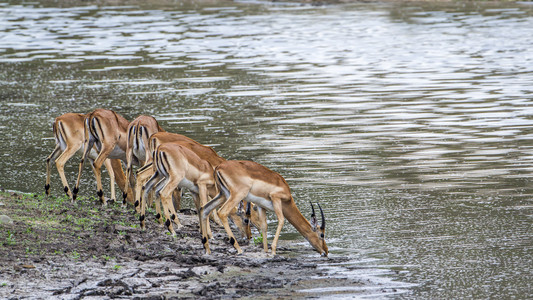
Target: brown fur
242	178
109	130
139	132
69	128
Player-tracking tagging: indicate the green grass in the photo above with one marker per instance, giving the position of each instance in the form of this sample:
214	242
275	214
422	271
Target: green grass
10	239
75	255
258	240
43	221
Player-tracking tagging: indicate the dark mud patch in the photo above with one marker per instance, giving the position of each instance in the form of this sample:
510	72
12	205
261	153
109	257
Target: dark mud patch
56	249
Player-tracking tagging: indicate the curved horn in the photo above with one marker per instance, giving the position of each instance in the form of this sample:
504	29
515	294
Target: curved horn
313	221
323	225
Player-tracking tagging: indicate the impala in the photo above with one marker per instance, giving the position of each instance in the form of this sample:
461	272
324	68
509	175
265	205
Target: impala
176	166
204	152
69	137
137	150
252	182
106	130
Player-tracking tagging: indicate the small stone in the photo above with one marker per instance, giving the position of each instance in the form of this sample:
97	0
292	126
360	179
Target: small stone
5	220
28	266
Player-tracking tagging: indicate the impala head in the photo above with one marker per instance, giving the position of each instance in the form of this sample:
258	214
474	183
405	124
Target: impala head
320	242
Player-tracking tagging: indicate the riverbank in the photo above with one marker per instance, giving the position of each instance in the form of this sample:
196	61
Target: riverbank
56	249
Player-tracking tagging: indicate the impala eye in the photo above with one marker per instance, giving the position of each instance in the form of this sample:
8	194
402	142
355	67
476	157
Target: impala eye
322	236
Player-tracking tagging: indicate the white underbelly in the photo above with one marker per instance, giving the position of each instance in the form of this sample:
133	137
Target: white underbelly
187	184
92	154
117	153
262	202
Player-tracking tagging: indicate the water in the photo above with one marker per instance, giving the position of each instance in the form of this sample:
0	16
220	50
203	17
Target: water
411	124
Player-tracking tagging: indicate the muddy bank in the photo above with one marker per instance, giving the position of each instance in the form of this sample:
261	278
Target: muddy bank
55	249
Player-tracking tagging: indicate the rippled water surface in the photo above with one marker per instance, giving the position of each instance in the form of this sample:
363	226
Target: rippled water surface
412	124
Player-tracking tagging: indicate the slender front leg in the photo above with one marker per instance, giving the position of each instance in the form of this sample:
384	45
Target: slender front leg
176	199
202	195
52	157
120	179
204	214
111	172
60	164
129	158
278	210
143	175
144	191
262	224
98	162
159	215
89	143
165	194
223	212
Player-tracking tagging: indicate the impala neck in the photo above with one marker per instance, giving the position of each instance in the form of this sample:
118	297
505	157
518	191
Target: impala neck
295	217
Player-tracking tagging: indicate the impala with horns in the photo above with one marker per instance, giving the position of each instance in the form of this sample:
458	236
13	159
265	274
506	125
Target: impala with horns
69	139
137	149
252	182
107	131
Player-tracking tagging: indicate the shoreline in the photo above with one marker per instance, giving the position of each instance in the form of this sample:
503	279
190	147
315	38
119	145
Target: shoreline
58	250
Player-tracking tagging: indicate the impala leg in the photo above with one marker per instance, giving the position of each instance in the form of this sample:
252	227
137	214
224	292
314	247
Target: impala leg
98	162
52	157
247	219
120	179
111	172
204	213
129	158
88	145
215	218
237	220
159	215
60	164
224	211
165	194
143	175
201	201
278	210
130	183
172	210
155	178
176	199
261	222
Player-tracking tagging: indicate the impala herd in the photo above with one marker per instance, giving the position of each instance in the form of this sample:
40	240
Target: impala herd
169	162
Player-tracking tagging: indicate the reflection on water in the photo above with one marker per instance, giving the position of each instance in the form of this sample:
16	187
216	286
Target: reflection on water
411	124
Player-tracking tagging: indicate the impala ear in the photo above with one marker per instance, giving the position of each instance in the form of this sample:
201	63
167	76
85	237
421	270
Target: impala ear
313	221
323	225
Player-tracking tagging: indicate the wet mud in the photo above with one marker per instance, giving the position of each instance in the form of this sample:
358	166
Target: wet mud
58	250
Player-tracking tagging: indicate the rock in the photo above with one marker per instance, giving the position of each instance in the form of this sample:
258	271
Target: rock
203	270
5	220
28	266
